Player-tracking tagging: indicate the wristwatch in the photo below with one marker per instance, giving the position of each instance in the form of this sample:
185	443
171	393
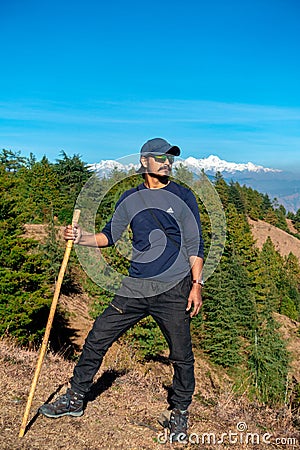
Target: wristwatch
199	282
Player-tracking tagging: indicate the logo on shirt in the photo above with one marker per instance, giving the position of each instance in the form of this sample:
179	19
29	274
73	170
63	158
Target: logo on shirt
170	210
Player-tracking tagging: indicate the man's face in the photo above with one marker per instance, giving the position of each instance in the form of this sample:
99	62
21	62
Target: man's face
160	165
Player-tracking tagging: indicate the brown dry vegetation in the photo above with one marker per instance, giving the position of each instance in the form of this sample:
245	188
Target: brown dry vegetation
126	401
79	319
39	232
284	242
291	227
128	396
289	330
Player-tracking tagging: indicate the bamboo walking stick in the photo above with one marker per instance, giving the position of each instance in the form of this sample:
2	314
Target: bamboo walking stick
49	325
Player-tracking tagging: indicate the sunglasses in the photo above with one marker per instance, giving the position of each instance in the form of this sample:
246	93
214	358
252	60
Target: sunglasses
163	158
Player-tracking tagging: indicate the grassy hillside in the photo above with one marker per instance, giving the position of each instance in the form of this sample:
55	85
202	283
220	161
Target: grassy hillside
246	362
126	401
129	396
284	242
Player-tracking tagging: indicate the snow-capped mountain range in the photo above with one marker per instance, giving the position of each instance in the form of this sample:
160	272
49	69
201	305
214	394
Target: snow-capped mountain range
283	186
211	164
214	164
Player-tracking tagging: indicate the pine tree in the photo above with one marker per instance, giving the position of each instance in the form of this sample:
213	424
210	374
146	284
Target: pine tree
24	287
269	277
12	161
222	188
228	314
71	174
39	192
268	362
296	220
268	356
281	218
270	217
237	198
239	237
289	288
266	204
253	201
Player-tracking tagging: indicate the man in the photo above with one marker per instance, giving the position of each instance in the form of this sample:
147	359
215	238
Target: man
165	281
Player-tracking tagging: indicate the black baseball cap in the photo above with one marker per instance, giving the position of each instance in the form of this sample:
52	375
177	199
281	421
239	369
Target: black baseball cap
159	146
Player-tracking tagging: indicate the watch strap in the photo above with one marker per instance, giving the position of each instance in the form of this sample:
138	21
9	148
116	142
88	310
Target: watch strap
199	282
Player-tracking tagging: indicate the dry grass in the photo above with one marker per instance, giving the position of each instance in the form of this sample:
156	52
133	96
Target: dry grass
284	242
289	330
39	232
127	400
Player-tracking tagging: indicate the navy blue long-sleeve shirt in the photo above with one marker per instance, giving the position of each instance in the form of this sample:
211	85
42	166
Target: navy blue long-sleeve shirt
166	230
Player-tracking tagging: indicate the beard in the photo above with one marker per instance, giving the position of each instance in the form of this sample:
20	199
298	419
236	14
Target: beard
163	178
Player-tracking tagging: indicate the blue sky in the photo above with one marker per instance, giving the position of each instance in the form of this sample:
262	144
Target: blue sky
99	78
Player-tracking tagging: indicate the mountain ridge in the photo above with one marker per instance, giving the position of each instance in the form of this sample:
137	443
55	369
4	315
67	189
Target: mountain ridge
277	183
211	163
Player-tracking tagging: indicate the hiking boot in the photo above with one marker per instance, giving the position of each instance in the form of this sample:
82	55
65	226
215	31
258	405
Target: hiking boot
178	425
69	404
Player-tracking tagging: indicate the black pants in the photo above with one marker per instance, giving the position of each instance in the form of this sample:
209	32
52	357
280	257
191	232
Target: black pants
169	311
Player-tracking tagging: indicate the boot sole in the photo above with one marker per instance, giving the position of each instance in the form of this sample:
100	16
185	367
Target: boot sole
56	416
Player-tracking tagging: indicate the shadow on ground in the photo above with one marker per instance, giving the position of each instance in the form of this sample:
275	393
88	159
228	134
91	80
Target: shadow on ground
104	382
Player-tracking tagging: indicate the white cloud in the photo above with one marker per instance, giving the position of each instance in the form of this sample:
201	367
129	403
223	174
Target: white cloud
189	111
